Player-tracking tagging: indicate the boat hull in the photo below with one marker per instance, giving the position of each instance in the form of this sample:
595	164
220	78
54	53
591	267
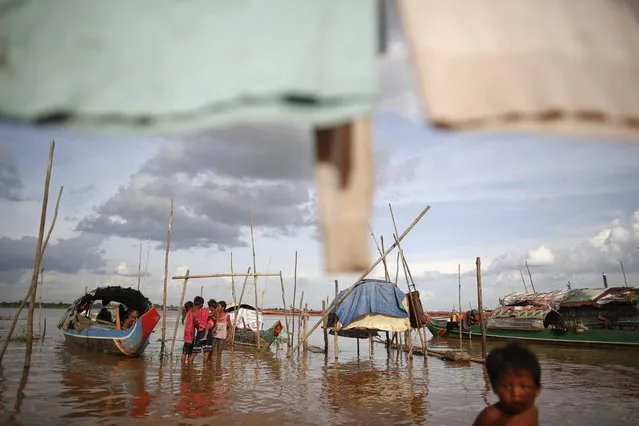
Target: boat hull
628	338
103	338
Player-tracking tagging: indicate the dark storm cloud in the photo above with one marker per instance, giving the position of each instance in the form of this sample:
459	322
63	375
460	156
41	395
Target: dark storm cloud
10	182
66	255
216	182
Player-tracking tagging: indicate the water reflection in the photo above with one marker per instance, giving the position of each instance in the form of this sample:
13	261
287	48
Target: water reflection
101	385
202	392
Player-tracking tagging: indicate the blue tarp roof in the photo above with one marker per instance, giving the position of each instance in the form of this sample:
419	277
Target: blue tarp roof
371	297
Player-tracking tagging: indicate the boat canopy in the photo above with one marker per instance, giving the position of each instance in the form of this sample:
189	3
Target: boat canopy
525	317
130	297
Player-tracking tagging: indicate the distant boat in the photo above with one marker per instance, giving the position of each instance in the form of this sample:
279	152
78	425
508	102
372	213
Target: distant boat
83	326
246	330
600	316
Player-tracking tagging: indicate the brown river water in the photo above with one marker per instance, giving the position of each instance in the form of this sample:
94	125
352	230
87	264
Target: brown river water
66	386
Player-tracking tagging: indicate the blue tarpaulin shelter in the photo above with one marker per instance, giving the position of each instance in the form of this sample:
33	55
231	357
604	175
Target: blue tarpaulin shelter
371	297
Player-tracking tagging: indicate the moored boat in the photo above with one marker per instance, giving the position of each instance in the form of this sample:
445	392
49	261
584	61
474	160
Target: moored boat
246	327
601	316
105	330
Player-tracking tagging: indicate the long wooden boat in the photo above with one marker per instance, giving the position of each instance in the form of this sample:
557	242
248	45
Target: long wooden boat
80	326
608	316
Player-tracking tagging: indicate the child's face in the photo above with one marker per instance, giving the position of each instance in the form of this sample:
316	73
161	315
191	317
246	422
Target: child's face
135	314
220	309
516	390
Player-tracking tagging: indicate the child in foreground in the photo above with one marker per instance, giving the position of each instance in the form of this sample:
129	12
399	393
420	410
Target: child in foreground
515	376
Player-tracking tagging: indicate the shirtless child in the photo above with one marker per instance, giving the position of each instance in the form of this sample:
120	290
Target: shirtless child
515	376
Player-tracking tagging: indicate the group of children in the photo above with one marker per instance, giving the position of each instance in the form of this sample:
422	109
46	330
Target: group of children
205	329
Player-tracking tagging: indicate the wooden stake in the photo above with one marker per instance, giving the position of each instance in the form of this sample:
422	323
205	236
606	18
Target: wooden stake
166	277
288	331
480	303
459	317
39	252
193	277
239	303
146	264
305	326
257	309
523	280
299	319
324	328
380	250
233	282
335	343
530	276
177	320
140	266
623	271
28	295
370	268
293	305
410	283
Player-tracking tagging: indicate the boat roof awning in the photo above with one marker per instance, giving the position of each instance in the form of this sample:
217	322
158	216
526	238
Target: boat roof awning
574	297
231	308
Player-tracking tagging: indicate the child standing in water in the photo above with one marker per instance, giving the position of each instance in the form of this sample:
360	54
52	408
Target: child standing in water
221	330
189	330
208	348
515	376
200	320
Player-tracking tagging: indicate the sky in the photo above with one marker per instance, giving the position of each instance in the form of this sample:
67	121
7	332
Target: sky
568	207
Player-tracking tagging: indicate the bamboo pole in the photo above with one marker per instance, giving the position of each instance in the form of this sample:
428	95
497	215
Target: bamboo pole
293	304
459	318
623	271
39	252
40	300
233	282
368	270
177	320
193	277
305	325
530	275
146	264
257	309
299	319
288	341
380	251
324	328
239	303
335	342
480	303
523	280
409	282
386	274
166	276
140	266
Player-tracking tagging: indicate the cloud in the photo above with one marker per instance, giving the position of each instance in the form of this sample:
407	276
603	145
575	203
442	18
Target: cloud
541	256
66	255
217	180
10	182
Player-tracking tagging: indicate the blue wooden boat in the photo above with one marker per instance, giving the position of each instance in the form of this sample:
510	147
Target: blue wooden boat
82	327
